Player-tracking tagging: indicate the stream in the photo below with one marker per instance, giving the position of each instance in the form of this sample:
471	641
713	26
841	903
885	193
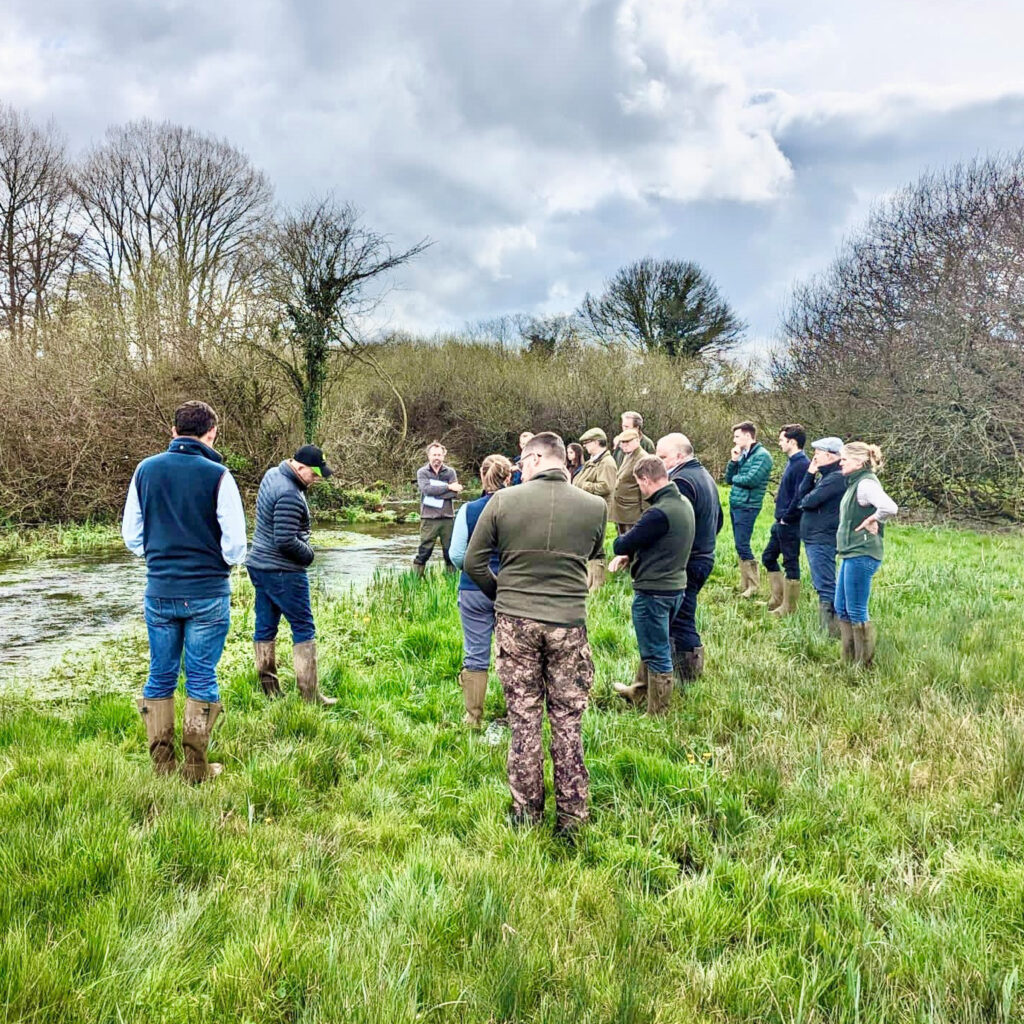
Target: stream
57	606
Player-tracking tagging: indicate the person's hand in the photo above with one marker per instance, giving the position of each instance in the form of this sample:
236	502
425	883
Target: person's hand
618	562
870	524
455	487
812	466
737	451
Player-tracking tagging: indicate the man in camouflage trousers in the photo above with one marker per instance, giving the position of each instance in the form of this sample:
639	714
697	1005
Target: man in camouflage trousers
545	533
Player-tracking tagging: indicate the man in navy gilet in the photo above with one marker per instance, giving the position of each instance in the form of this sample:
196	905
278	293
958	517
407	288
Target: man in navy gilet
184	515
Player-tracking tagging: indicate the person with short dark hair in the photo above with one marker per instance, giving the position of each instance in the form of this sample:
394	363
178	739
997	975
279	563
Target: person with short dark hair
544	531
439	486
821	495
784	539
184	515
656	550
277	564
747	473
698	486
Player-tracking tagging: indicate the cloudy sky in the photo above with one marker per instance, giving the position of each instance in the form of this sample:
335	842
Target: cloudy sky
543	143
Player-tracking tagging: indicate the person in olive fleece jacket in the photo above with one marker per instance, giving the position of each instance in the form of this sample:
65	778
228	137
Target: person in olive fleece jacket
821	493
748	474
545	531
656	550
785	536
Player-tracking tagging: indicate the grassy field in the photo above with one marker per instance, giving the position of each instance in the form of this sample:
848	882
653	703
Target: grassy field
797	841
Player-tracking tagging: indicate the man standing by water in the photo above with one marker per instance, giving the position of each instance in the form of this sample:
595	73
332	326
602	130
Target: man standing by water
277	567
439	486
545	532
748	473
184	515
698	486
597	477
656	551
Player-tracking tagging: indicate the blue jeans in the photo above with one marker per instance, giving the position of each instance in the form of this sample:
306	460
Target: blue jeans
822	560
199	628
743	520
476	610
684	626
282	593
652	616
854	587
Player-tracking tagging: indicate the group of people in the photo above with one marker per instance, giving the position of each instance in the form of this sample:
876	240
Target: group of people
184	515
530	548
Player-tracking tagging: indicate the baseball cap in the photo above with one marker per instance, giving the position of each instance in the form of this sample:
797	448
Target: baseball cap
594	434
828	444
310	455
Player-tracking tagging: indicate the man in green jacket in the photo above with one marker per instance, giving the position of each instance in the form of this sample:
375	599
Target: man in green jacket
596	477
627	501
748	473
631	421
656	551
545	532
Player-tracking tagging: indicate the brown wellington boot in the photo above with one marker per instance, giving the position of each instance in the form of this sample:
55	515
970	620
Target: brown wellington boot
846	638
418	569
195	738
827	619
790	598
159	718
474	692
688	665
596	575
637	693
749	573
266	667
864	643
659	692
304	661
775	581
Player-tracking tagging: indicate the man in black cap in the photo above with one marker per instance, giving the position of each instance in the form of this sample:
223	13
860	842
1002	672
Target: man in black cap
277	565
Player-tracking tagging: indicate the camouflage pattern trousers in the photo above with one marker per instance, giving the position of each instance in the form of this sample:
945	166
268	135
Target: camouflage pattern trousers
545	666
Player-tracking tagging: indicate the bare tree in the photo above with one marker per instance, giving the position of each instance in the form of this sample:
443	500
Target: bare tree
173	220
37	239
324	271
914	336
669	306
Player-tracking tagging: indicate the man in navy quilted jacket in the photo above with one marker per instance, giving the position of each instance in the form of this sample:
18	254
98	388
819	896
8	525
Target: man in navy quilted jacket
277	563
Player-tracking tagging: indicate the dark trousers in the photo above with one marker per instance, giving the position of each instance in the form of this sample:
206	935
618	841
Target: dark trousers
784	541
282	593
684	626
431	531
743	520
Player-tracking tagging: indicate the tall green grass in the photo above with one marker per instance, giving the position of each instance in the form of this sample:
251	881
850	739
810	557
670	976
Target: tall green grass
796	841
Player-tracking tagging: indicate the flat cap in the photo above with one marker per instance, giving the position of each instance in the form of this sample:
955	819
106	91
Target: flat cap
828	444
594	434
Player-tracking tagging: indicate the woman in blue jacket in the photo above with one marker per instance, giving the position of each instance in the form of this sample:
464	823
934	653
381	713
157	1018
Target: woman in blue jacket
476	609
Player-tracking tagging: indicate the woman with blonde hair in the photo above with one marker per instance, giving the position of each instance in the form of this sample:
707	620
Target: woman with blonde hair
476	609
862	515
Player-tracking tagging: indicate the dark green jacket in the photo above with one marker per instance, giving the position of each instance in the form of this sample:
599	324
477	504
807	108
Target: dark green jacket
849	541
749	477
659	545
545	531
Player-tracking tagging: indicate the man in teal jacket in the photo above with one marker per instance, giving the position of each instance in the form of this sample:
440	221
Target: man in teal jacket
748	473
